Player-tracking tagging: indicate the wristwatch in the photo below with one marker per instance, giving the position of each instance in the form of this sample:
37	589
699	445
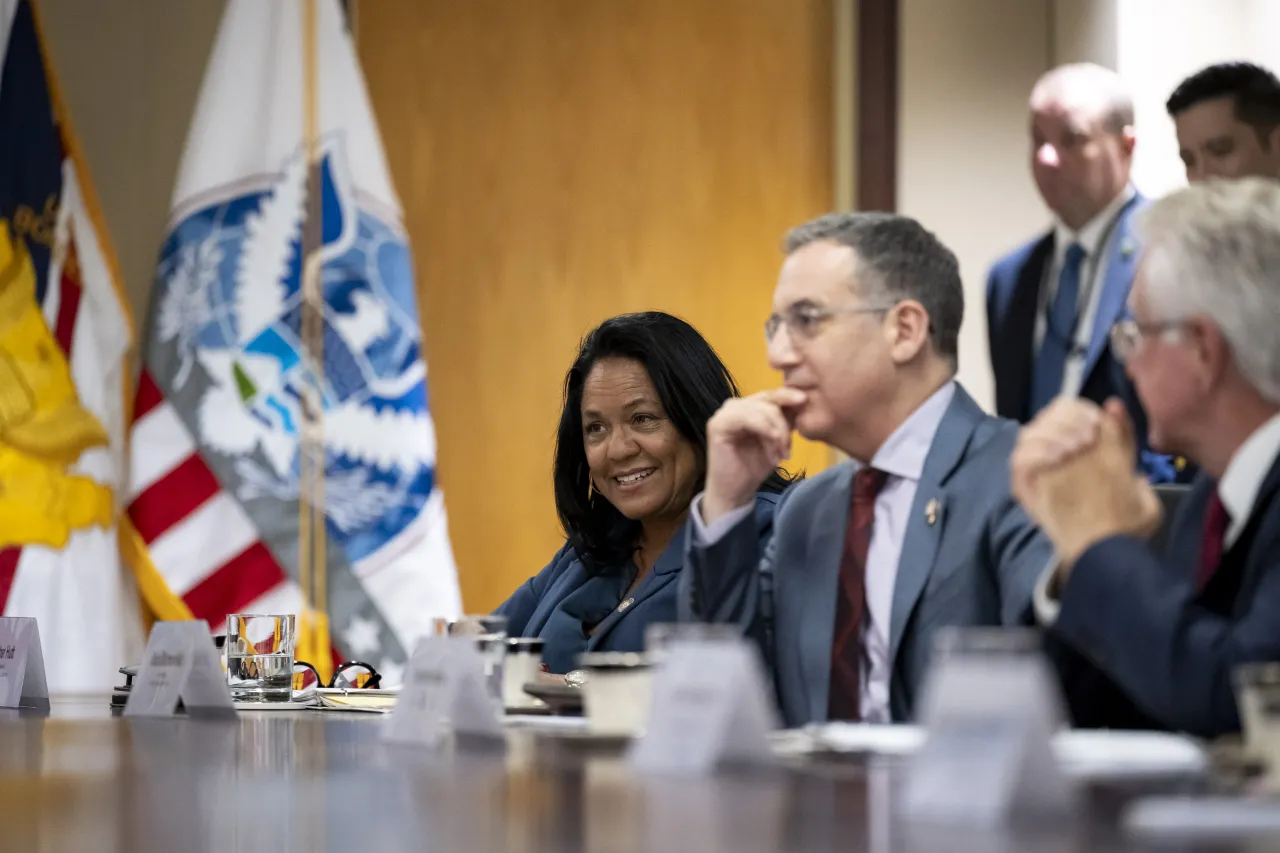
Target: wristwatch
575	677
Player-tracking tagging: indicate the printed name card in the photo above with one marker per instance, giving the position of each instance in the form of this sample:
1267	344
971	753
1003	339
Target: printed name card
22	678
180	663
988	751
444	692
711	706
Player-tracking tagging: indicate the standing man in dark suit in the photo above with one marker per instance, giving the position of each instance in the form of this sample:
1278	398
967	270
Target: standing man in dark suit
1228	121
1051	303
1156	640
917	532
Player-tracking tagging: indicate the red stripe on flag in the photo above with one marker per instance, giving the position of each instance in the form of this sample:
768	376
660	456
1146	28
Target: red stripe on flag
8	570
69	305
172	498
238	583
148	397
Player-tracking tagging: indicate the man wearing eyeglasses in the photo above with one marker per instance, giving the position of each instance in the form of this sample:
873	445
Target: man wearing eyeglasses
1051	302
871	557
1150	640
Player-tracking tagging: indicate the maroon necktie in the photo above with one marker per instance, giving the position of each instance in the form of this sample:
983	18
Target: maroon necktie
1216	521
844	694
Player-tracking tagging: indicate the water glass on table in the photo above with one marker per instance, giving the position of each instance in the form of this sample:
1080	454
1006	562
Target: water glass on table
490	636
660	636
259	657
1257	688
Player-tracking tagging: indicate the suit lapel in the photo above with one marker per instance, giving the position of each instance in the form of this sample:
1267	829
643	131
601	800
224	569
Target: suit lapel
1018	332
573	578
928	514
1118	278
1225	586
664	571
1270	486
820	579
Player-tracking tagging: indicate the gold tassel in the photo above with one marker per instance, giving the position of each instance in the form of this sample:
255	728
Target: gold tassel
313	642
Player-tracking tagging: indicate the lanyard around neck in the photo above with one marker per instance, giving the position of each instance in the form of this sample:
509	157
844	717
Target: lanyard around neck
1088	280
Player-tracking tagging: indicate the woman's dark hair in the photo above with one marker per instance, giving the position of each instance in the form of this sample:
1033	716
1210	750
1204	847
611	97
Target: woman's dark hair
691	382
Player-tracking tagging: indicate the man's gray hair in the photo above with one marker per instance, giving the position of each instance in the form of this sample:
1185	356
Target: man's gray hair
897	258
1213	249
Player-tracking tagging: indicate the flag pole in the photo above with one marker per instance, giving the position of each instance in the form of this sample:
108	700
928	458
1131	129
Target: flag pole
312	536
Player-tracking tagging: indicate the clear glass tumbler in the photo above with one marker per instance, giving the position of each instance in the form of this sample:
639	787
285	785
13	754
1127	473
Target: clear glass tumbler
1257	688
658	636
259	656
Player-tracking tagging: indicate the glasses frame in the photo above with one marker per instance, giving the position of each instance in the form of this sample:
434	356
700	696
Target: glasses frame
375	677
1127	336
821	316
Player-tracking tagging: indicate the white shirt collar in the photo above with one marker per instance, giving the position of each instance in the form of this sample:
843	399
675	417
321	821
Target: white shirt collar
904	452
1090	236
1243	478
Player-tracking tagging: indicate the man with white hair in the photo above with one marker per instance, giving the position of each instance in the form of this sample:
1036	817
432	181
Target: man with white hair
1052	302
1162	637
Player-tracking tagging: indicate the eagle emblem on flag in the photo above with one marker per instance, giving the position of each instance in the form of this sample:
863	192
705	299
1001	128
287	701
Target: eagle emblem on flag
231	311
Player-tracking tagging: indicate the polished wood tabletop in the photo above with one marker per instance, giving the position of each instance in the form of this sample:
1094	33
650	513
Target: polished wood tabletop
82	779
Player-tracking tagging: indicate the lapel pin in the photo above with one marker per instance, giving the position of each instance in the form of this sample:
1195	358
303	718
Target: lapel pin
1180	463
1126	247
624	605
931	511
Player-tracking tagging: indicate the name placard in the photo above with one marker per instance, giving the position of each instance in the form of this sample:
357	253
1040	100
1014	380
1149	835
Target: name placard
444	692
180	663
988	750
711	706
22	677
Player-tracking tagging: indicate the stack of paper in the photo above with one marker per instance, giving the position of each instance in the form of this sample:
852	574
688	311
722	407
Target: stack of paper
1084	753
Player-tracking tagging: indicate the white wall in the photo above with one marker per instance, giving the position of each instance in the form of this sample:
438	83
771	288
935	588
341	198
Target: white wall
1262	36
1085	31
130	72
1163	41
1155	44
963	163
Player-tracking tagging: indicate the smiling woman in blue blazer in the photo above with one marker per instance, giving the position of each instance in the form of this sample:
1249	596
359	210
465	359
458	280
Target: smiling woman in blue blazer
630	455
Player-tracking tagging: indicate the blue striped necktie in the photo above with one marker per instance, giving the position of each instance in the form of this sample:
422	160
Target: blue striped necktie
1059	333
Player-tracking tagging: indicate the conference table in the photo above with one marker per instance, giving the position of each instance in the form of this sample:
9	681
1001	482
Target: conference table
82	778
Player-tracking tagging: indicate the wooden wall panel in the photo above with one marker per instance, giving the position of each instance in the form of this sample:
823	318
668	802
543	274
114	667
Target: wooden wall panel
562	161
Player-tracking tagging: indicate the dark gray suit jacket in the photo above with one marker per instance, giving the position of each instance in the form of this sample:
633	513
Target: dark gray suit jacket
974	560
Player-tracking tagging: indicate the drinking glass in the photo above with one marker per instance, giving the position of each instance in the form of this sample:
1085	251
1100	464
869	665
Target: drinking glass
1257	687
259	656
990	673
660	636
490	635
987	642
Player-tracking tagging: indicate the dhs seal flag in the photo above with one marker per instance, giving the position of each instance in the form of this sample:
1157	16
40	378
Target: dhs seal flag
216	465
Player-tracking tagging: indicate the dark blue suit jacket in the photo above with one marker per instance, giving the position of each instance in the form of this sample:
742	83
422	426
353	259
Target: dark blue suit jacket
1013	303
1138	646
562	601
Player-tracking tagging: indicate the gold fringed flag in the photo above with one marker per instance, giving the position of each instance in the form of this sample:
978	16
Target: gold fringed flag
65	335
249	366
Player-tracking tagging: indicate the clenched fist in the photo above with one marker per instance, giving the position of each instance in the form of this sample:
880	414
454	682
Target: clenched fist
1073	472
